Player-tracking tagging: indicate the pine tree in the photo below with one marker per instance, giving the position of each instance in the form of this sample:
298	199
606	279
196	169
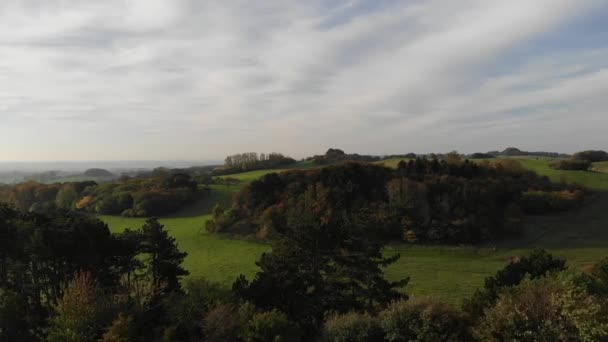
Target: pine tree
164	259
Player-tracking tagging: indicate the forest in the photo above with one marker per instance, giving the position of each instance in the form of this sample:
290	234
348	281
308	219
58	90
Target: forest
422	200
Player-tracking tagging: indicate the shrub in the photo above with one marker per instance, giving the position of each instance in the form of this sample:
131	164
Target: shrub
538	264
226	323
271	326
544	309
353	327
78	312
121	330
423	320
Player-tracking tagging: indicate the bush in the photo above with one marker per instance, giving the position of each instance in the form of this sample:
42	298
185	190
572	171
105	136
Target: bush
572	164
226	323
544	309
121	330
271	326
538	264
423	320
353	327
221	324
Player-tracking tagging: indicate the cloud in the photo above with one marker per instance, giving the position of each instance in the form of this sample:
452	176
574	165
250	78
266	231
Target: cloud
184	79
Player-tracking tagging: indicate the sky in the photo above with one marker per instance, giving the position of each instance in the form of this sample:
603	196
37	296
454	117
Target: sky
193	80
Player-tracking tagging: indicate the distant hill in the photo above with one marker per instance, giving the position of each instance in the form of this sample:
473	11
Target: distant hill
334	155
98	173
515	152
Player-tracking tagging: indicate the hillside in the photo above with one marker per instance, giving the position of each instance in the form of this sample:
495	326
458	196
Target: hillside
447	272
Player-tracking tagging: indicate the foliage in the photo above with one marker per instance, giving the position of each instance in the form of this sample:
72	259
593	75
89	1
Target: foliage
571	164
14	323
334	155
78	312
430	200
591	156
185	310
159	194
271	326
322	262
542	202
227	322
163	256
353	327
252	161
423	320
538	264
121	330
596	281
544	309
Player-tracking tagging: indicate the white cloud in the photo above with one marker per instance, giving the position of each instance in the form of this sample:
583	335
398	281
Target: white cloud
191	79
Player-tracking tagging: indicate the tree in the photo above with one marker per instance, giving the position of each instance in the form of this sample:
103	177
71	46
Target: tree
544	309
538	264
326	260
66	197
78	312
14	325
164	259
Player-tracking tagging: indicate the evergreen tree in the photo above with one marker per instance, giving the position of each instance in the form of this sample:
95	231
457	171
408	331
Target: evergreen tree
326	261
164	259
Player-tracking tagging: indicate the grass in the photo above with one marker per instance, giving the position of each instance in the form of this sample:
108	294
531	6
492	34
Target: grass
447	272
250	176
214	257
392	162
591	180
600	167
597	180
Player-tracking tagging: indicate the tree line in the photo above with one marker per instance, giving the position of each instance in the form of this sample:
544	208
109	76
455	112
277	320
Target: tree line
158	194
250	161
423	200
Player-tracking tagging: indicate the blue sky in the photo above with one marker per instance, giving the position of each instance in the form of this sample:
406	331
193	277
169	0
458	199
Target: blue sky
186	79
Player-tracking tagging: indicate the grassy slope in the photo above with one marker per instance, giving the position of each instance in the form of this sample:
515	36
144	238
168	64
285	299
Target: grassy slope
592	180
213	256
451	273
600	167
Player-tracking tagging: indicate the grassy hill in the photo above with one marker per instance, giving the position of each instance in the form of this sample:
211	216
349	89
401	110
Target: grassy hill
448	272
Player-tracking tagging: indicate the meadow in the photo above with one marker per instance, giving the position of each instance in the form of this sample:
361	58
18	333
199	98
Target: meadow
447	272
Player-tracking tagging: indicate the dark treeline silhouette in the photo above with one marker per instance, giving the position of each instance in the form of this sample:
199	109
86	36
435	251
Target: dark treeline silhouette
422	200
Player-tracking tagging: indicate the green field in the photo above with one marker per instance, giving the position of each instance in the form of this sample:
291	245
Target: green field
447	272
600	167
592	180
